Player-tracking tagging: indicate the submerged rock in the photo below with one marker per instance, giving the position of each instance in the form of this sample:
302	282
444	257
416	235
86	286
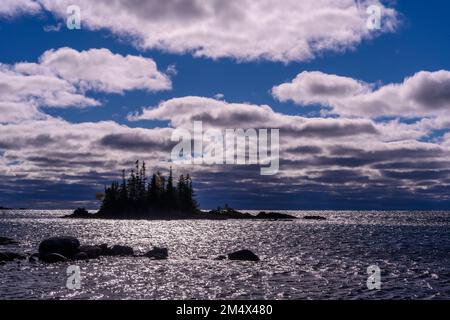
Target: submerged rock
274	215
33	258
314	218
6	241
10	256
243	255
93	252
52	258
65	246
104	250
118	250
158	253
81	256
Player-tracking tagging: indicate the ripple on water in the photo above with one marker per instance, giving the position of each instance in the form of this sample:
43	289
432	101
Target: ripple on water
300	259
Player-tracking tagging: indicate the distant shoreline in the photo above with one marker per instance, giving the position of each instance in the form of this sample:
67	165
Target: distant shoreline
219	214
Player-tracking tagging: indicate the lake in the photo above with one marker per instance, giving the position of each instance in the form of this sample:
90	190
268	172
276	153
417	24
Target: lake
300	259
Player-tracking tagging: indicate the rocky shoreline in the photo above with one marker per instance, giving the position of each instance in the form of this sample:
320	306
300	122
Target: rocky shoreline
67	248
218	214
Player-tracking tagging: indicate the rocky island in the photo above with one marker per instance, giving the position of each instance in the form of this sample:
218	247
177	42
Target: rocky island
159	199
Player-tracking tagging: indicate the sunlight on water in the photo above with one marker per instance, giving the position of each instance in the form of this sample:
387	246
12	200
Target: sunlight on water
299	259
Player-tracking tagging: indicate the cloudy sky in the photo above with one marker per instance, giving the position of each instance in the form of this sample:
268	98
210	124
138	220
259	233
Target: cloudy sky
363	114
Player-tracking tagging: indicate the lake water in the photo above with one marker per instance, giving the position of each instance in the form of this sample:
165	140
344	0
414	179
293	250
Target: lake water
299	259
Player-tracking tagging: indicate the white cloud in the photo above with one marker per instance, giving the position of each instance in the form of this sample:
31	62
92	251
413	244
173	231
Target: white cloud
338	155
10	8
100	70
423	94
61	78
287	30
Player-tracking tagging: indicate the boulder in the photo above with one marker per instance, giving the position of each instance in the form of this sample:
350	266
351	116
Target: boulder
10	256
65	246
158	253
5	241
93	252
104	250
81	256
52	258
221	257
243	255
118	250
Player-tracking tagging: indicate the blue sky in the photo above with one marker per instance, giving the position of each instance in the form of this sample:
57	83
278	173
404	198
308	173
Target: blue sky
420	42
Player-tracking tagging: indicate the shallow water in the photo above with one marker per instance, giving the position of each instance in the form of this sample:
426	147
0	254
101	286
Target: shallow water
299	259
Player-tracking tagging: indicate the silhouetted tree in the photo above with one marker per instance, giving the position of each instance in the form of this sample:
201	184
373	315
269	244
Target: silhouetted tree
134	197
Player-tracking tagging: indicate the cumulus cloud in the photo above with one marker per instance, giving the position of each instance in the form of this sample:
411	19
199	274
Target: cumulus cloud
421	95
100	70
10	8
181	112
62	77
287	30
355	158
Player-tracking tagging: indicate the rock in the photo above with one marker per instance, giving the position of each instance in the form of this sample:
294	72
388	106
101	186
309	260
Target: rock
52	258
81	256
243	255
274	215
229	213
93	252
314	218
10	256
80	213
105	251
33	258
5	241
65	246
121	251
221	257
158	253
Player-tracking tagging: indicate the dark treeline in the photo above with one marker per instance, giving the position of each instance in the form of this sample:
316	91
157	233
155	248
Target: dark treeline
137	195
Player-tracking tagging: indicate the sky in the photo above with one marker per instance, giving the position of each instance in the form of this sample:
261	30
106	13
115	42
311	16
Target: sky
362	113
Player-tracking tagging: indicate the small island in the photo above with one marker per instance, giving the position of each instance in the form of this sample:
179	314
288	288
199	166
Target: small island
159	198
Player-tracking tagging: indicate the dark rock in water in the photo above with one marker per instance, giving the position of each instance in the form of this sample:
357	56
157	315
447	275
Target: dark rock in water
33	258
80	213
158	253
10	256
5	241
105	251
93	252
81	256
221	257
52	258
121	251
65	246
274	215
243	255
314	218
229	213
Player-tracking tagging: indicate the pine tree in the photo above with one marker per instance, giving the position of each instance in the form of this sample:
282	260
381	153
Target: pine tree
135	197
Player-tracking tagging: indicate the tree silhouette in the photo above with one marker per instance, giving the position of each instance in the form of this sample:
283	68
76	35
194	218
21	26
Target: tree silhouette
135	198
